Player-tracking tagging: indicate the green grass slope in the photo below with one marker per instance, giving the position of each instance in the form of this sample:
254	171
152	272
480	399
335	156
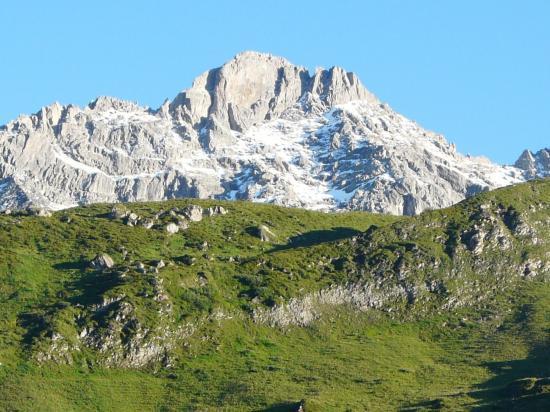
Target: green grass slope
449	310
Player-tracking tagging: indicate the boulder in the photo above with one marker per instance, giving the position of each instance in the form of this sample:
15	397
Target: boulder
102	261
172	228
216	210
183	224
118	212
265	234
132	219
193	213
148	223
44	213
476	243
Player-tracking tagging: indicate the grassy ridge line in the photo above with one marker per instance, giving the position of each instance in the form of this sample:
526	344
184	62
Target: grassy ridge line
44	260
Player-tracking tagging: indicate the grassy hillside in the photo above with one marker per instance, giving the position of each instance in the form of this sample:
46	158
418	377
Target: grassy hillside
352	311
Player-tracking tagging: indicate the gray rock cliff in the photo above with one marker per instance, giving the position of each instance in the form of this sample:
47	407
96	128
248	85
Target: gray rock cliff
535	164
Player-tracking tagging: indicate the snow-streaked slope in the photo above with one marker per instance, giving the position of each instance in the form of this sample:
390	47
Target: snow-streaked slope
358	155
258	128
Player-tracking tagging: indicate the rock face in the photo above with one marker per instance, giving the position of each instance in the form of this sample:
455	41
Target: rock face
255	87
491	244
258	128
535	164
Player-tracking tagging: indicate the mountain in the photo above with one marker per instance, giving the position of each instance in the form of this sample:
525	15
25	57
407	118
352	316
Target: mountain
258	128
535	164
207	305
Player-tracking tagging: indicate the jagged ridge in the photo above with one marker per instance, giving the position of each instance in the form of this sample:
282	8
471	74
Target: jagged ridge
257	128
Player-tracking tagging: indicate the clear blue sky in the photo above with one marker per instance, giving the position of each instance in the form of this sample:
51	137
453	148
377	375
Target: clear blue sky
477	71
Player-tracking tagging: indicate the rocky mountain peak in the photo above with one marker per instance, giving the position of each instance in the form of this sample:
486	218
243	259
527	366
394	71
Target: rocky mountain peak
525	160
535	164
51	114
257	128
106	103
254	87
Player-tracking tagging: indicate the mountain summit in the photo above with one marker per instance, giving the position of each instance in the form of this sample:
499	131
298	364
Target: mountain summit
255	87
258	128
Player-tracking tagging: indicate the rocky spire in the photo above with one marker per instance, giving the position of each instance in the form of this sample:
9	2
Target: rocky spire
526	162
537	164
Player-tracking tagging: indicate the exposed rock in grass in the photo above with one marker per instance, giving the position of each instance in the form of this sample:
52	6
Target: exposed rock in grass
40	212
216	210
147	223
302	311
118	212
474	240
202	279
132	219
399	270
172	228
265	234
183	224
193	213
102	261
159	264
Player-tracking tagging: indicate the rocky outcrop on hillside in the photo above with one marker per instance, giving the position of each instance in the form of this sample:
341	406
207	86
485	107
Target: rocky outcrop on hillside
391	272
441	261
258	128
